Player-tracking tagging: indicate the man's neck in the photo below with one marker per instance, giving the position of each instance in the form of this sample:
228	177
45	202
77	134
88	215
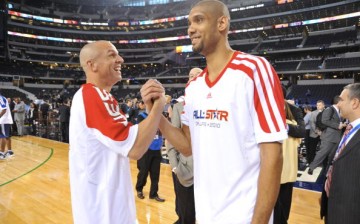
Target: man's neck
217	62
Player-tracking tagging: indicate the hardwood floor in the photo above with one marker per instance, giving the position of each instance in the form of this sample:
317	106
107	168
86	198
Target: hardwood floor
34	189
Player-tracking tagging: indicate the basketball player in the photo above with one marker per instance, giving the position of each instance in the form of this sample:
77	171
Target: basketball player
233	125
102	140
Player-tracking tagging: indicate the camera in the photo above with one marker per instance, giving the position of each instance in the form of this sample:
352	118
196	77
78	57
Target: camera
166	114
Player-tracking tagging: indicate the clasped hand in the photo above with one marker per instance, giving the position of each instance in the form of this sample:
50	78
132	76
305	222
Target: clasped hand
152	91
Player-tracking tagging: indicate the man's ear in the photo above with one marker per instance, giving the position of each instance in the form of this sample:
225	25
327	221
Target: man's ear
91	65
223	23
355	103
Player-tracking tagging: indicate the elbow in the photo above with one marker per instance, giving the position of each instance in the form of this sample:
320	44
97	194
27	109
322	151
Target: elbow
186	152
136	154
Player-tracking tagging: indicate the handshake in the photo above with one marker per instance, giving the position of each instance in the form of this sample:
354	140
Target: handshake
153	92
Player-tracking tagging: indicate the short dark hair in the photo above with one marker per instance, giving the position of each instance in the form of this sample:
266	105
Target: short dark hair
307	107
354	90
336	99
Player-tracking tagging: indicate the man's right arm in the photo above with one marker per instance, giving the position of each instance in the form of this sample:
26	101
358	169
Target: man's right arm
147	130
327	116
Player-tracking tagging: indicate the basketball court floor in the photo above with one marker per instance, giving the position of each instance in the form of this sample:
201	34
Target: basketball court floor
34	189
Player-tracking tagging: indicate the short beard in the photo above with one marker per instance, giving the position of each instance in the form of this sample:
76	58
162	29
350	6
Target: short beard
199	49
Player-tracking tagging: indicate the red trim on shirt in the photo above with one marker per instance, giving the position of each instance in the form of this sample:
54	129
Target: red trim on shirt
276	89
207	80
103	113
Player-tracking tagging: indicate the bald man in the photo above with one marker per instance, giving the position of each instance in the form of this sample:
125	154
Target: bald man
102	141
194	72
233	122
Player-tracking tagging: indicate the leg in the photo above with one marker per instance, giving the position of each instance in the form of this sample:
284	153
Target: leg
67	132
310	153
34	128
325	149
142	166
14	126
20	127
279	215
8	143
17	127
285	196
186	203
63	134
307	136
155	172
176	198
3	143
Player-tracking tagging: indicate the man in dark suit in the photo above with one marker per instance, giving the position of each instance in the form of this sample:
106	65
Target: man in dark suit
64	119
343	182
330	137
12	106
44	108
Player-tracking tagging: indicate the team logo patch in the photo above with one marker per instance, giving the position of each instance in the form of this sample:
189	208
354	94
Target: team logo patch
208	96
112	108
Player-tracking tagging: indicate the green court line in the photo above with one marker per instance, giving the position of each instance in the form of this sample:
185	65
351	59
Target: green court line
51	153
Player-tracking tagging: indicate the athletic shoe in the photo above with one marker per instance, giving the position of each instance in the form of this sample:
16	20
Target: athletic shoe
9	154
2	156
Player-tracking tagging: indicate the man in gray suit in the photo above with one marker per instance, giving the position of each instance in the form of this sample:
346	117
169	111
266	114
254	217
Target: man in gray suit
182	167
344	191
19	115
330	137
314	135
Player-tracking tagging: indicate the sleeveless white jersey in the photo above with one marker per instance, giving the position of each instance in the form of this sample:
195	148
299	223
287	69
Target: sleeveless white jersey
6	118
228	118
100	140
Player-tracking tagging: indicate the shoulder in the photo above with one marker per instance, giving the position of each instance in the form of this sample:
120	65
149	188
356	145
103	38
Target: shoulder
294	108
328	110
256	67
249	59
200	77
88	89
178	106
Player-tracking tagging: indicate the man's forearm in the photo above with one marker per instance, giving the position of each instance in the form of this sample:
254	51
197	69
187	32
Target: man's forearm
176	136
269	181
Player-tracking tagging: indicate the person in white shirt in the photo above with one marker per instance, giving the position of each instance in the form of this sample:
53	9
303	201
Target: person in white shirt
102	140
5	128
233	125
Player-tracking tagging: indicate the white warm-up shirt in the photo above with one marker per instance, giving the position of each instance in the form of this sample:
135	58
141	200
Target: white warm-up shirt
100	140
228	118
6	118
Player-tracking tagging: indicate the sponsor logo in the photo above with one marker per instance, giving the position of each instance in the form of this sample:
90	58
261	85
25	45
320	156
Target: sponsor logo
220	115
